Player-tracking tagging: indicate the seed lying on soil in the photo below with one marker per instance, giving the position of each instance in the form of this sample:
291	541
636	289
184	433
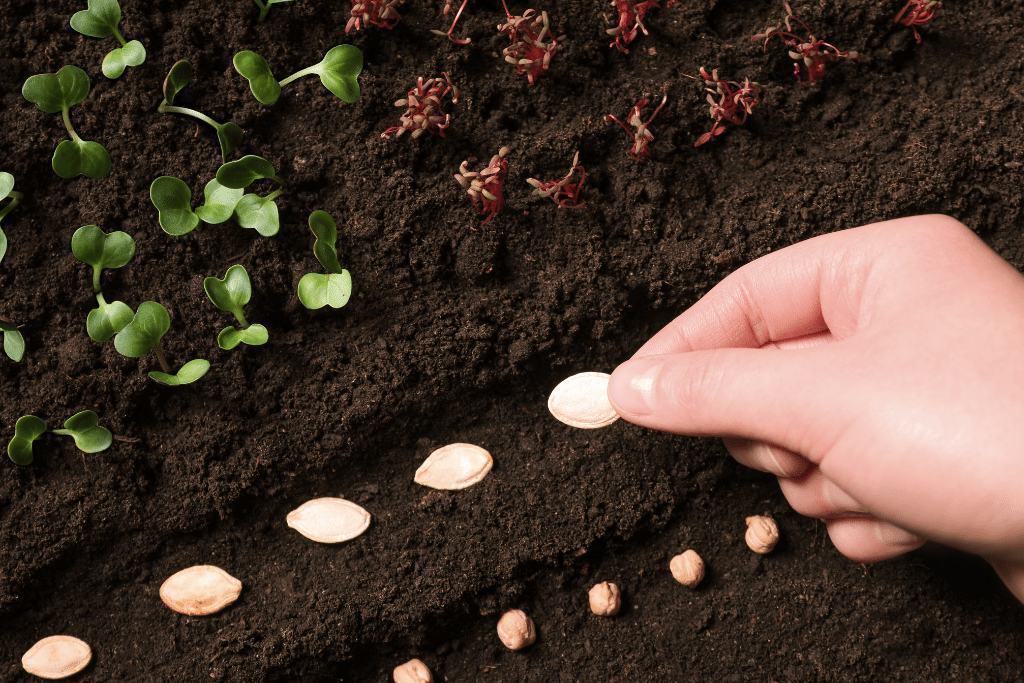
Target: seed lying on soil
582	401
455	466
200	590
329	520
57	657
516	630
687	568
413	671
762	534
605	599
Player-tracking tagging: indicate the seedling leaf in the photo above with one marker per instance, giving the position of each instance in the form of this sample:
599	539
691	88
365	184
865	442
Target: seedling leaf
229	135
242	173
258	213
108	319
338	71
7	192
323	226
220	202
6	184
317	290
189	372
84	428
27	429
52	93
99	21
91	245
73	157
254	335
256	70
14	343
132	54
138	338
231	293
179	76
173	199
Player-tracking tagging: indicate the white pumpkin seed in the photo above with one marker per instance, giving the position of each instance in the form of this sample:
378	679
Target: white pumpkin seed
455	466
57	657
582	401
329	520
200	590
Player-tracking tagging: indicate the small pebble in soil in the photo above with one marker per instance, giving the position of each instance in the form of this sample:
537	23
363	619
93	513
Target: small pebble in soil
605	599
200	590
455	466
413	671
687	568
762	534
516	630
57	657
582	401
329	520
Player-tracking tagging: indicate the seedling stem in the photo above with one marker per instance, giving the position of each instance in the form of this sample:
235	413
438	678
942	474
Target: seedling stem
15	197
165	108
160	357
67	124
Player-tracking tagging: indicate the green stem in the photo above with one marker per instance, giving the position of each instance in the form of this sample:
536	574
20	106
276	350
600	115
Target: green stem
100	300
299	74
160	357
275	194
171	109
282	182
67	124
96	283
263	9
15	197
241	318
120	37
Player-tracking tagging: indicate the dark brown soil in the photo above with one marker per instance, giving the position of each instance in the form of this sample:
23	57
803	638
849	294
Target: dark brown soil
457	333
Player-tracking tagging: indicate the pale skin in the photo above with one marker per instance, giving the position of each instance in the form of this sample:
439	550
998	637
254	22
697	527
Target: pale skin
878	372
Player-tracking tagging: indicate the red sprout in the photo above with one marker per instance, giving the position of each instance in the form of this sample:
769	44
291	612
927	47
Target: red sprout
916	13
733	106
642	139
529	51
380	13
448	33
562	192
485	187
631	12
811	52
424	113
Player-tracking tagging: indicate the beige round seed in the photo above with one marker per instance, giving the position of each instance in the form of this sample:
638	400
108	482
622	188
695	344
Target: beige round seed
582	401
762	534
455	466
413	671
687	568
57	657
329	520
516	630
605	599
200	590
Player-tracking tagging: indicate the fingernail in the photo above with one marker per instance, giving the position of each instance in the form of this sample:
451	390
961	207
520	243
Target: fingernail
895	536
631	389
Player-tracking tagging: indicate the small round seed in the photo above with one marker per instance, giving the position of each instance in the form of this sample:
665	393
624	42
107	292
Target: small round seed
329	520
605	599
57	657
516	630
455	466
687	568
200	590
413	671
762	534
582	401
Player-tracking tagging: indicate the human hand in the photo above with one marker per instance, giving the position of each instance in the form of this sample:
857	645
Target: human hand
878	372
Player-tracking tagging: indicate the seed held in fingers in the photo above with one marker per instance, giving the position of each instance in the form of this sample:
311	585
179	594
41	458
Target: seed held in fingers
200	590
413	671
687	568
605	599
516	630
455	466
57	657
582	401
762	534
329	520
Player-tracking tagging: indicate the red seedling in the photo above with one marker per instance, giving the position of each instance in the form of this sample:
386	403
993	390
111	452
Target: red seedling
380	13
642	138
447	9
484	188
424	113
533	46
631	18
812	52
734	105
916	13
562	192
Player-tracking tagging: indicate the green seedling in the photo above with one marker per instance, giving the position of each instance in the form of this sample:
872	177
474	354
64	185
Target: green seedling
228	134
7	192
317	290
173	200
14	343
101	21
264	6
53	93
253	211
91	245
143	335
230	295
337	70
27	429
84	428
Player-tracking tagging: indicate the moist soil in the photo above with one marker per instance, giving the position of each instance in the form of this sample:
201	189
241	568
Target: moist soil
457	332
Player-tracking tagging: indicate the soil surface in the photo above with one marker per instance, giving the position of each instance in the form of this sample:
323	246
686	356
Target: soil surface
457	332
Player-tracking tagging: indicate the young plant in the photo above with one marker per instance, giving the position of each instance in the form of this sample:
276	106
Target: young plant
917	13
253	211
230	295
92	246
84	428
27	429
531	52
381	13
334	289
810	51
229	134
424	113
562	192
631	18
264	6
642	139
7	192
14	343
173	200
101	21
735	102
485	188
337	71
53	93
143	334
448	33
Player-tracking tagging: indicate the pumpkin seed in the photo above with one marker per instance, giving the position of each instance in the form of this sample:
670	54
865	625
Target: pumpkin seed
329	520
57	657
455	466
200	590
582	401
